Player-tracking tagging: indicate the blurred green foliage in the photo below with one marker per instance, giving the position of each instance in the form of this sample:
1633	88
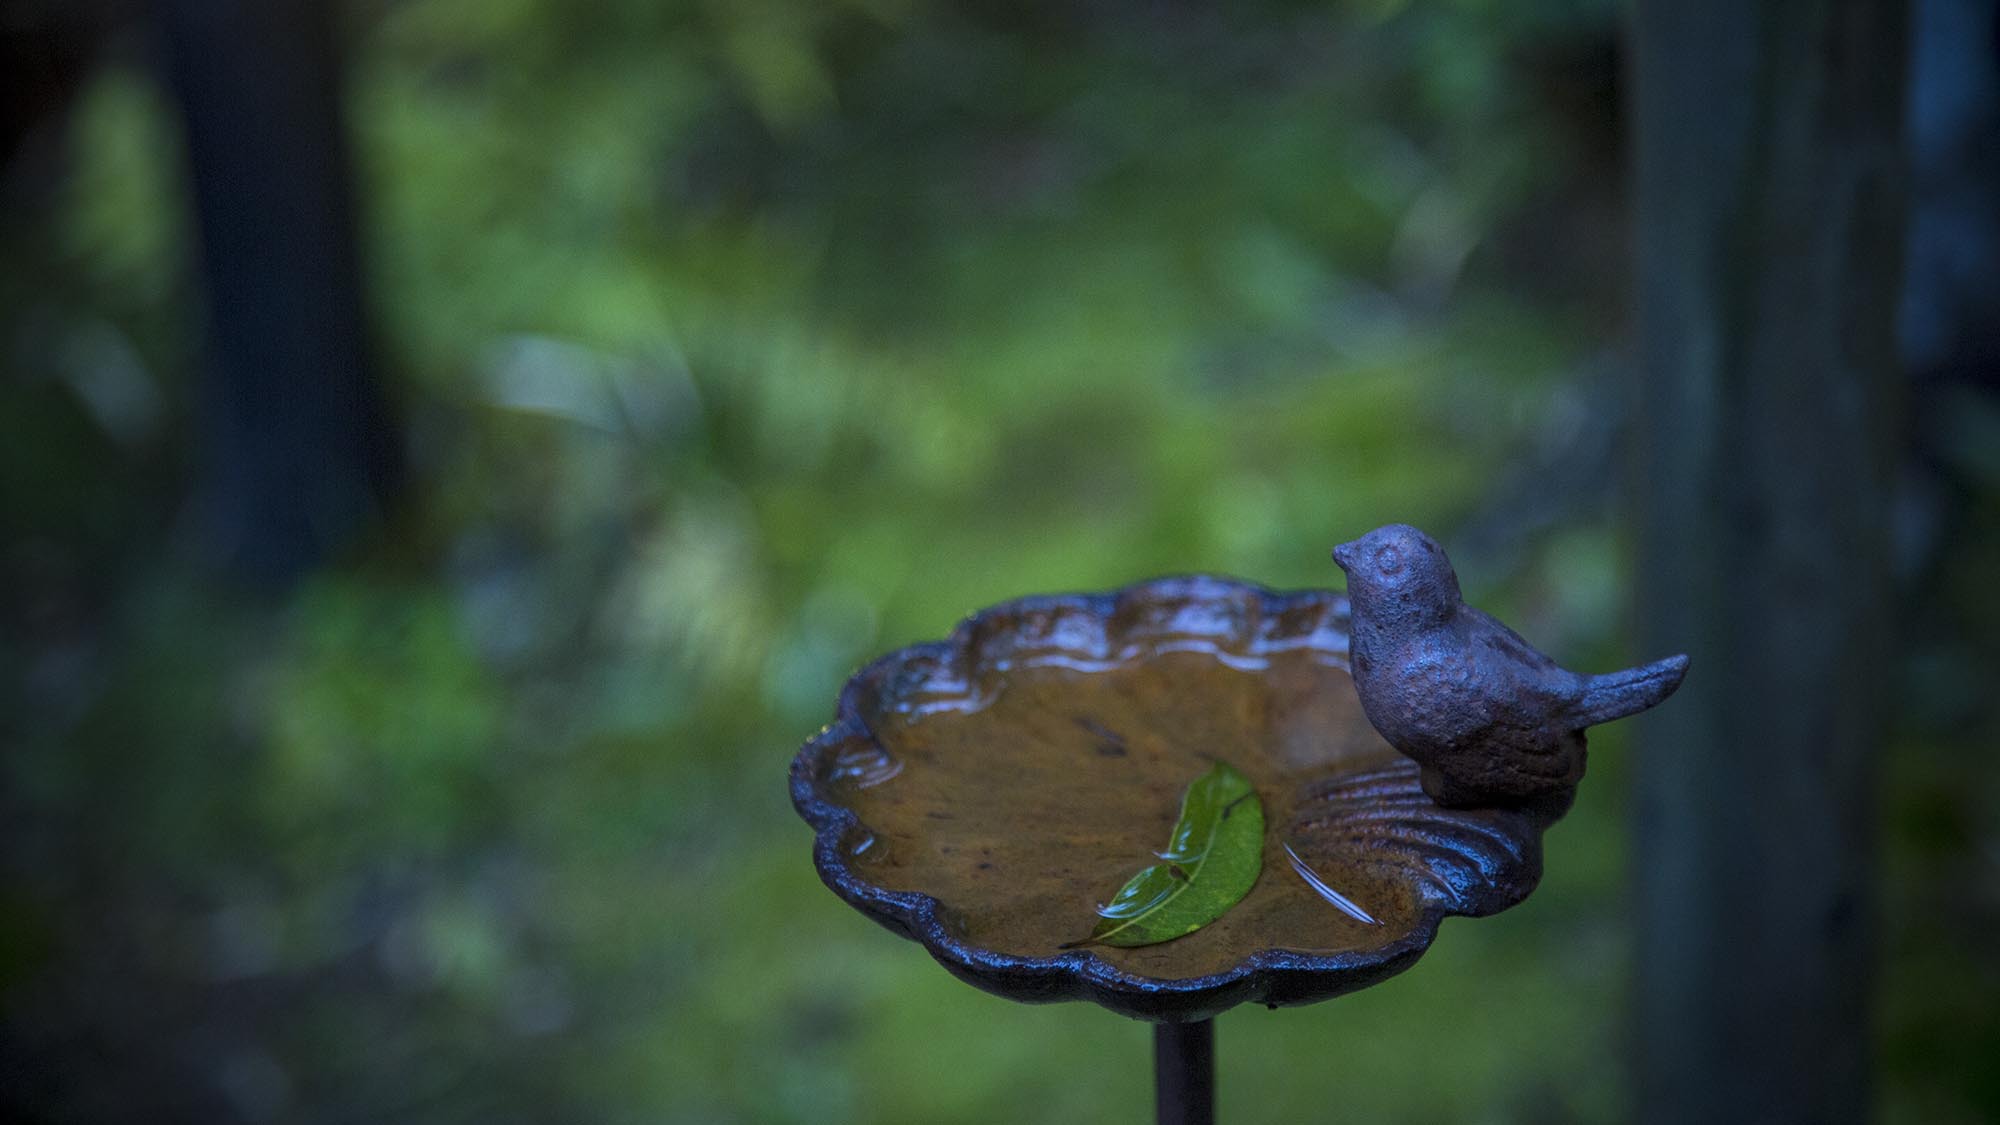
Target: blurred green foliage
735	344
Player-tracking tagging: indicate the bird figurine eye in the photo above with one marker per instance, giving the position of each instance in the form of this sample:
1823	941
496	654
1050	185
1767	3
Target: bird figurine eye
1389	561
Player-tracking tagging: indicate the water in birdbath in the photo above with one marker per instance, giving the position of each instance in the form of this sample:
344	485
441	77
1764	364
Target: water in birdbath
1023	804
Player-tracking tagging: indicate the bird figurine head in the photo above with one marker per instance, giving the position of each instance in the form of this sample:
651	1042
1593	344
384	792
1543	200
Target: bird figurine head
1398	577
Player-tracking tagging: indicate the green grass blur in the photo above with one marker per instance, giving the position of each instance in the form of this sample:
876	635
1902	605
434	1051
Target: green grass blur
736	344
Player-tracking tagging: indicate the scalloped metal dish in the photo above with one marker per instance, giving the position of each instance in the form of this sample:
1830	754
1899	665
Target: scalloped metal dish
1470	862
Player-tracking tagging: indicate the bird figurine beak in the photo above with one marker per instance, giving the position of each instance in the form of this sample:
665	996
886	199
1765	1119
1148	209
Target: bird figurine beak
1344	555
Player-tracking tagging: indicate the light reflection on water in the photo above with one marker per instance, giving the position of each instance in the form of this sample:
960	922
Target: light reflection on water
863	766
963	696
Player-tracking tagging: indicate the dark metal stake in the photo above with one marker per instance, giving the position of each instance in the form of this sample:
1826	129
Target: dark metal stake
1184	1072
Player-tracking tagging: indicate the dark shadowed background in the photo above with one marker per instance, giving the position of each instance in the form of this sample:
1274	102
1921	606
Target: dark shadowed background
452	451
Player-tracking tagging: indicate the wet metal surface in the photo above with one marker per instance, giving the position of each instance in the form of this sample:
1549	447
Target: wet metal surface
982	795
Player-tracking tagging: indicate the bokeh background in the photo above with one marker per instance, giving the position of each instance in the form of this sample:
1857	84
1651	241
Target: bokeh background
731	344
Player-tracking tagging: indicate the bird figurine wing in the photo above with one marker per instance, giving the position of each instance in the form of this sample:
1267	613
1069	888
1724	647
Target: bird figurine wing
1514	650
1479	686
1516	673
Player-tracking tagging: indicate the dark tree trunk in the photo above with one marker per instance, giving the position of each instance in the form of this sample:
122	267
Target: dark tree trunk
1770	221
298	449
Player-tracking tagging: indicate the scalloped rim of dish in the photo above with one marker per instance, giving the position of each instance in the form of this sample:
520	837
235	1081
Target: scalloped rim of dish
1274	977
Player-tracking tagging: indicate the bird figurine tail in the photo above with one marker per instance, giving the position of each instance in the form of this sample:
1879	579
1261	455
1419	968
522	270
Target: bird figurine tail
1614	695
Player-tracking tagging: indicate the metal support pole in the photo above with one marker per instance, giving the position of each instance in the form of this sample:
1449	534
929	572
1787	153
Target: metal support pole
1184	1072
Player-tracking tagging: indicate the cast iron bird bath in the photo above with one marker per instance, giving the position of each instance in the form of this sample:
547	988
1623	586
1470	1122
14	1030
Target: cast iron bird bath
981	794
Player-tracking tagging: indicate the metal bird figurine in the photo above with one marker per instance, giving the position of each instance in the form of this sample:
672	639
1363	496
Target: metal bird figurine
1490	720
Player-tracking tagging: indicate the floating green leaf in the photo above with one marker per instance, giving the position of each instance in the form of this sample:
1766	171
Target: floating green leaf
1212	861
